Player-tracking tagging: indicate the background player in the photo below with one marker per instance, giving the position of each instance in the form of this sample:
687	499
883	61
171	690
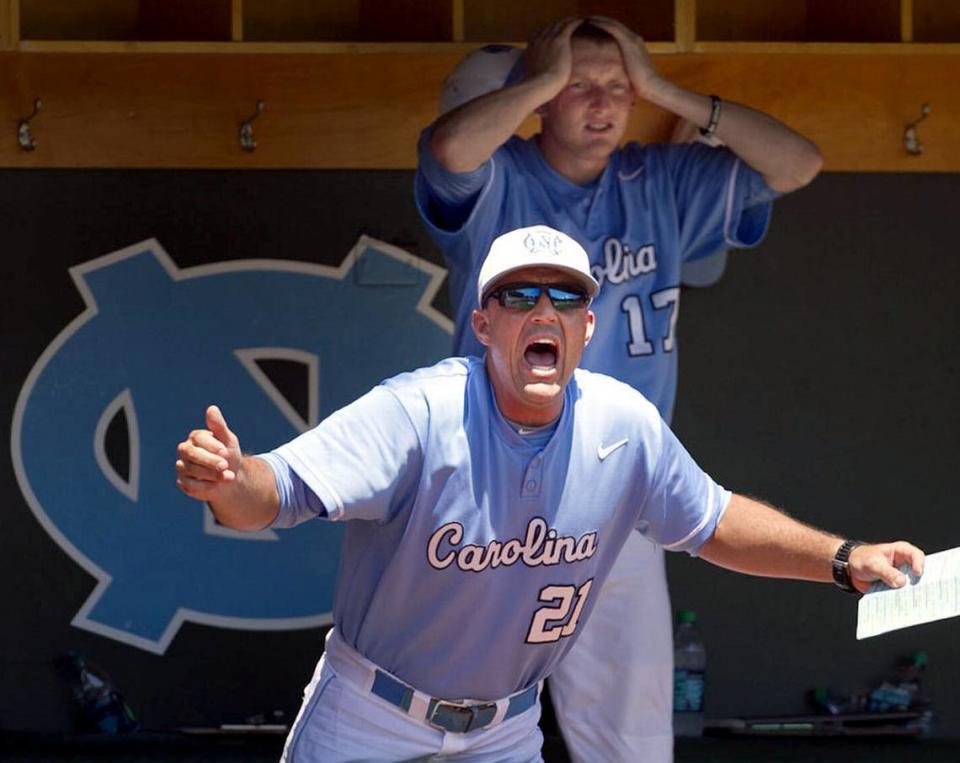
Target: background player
470	551
641	212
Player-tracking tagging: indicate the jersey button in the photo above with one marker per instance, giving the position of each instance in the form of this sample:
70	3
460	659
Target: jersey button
531	486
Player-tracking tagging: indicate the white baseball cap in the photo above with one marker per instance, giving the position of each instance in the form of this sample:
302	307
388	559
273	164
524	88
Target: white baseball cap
480	72
532	247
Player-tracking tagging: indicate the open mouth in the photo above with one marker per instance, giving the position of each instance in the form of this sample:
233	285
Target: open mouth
541	354
599	127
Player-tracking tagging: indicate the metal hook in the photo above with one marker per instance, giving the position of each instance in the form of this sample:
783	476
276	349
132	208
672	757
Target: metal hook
910	140
247	141
24	138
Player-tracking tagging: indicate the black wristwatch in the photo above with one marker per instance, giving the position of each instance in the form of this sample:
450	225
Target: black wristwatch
841	565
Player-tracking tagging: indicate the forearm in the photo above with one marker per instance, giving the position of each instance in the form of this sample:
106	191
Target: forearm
785	158
759	540
466	137
251	500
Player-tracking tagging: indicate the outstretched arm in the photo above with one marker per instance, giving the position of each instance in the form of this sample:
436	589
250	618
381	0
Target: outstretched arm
466	137
785	158
241	490
759	540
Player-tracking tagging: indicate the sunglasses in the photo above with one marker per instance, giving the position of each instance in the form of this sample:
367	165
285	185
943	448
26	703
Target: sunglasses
524	296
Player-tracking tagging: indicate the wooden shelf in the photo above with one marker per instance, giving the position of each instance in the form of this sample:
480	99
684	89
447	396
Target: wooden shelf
249	25
353	20
799	20
349	84
194	20
936	20
486	21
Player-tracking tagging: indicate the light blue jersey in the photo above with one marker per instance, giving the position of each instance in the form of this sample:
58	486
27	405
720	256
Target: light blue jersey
473	554
653	208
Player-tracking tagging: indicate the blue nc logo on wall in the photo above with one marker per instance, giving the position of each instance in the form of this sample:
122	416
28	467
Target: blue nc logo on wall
155	345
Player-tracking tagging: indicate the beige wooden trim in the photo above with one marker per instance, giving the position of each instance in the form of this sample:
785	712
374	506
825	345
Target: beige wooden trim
685	24
371	108
283	48
831	48
457	15
5	43
461	48
9	24
236	20
906	20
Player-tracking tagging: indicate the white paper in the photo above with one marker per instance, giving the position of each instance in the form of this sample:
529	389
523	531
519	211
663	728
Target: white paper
933	596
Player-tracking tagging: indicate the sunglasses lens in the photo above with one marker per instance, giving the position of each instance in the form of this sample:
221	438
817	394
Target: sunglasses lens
526	296
566	298
519	297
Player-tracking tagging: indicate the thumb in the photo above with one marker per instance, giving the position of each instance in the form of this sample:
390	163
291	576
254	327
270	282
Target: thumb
892	576
217	424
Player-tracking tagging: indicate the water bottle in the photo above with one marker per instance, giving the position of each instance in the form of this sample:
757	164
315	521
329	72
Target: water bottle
102	706
689	668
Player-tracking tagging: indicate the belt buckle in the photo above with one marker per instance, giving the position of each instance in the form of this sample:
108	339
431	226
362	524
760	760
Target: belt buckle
472	713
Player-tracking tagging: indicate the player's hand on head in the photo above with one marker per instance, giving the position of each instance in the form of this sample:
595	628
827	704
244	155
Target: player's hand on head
548	52
640	69
209	458
882	561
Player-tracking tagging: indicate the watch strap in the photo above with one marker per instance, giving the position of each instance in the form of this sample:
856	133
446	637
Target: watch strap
841	565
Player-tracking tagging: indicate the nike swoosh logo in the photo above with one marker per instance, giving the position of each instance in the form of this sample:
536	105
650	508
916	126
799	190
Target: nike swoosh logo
604	451
630	175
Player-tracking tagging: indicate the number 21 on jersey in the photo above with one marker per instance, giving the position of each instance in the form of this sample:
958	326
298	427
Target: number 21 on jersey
559	619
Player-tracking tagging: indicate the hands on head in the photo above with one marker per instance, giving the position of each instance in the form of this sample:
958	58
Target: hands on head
882	561
549	52
209	459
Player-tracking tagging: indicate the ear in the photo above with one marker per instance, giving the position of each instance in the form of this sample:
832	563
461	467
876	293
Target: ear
480	322
589	327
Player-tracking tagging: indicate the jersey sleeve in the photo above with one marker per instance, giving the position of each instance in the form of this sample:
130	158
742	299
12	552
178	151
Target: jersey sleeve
682	505
445	198
722	203
458	208
362	462
297	503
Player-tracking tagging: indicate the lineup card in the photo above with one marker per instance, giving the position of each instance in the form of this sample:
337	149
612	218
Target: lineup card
933	596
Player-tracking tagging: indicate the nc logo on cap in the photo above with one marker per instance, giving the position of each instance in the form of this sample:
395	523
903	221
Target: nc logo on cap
544	240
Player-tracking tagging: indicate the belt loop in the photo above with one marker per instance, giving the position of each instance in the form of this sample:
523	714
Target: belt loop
502	706
419	706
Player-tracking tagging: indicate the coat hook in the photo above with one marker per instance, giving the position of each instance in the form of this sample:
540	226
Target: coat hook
910	140
247	141
24	138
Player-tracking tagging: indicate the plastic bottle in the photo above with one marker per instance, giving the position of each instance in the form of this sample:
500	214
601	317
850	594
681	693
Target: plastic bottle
104	709
689	670
900	691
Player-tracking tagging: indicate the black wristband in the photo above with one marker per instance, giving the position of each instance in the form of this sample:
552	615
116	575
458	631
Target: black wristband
841	565
715	107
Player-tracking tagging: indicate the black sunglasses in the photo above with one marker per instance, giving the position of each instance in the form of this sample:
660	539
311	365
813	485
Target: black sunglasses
524	296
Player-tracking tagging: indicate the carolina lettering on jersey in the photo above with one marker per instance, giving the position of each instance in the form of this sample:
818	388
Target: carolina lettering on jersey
621	264
540	545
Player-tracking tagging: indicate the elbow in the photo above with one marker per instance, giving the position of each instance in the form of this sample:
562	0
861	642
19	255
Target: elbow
449	152
810	166
805	168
